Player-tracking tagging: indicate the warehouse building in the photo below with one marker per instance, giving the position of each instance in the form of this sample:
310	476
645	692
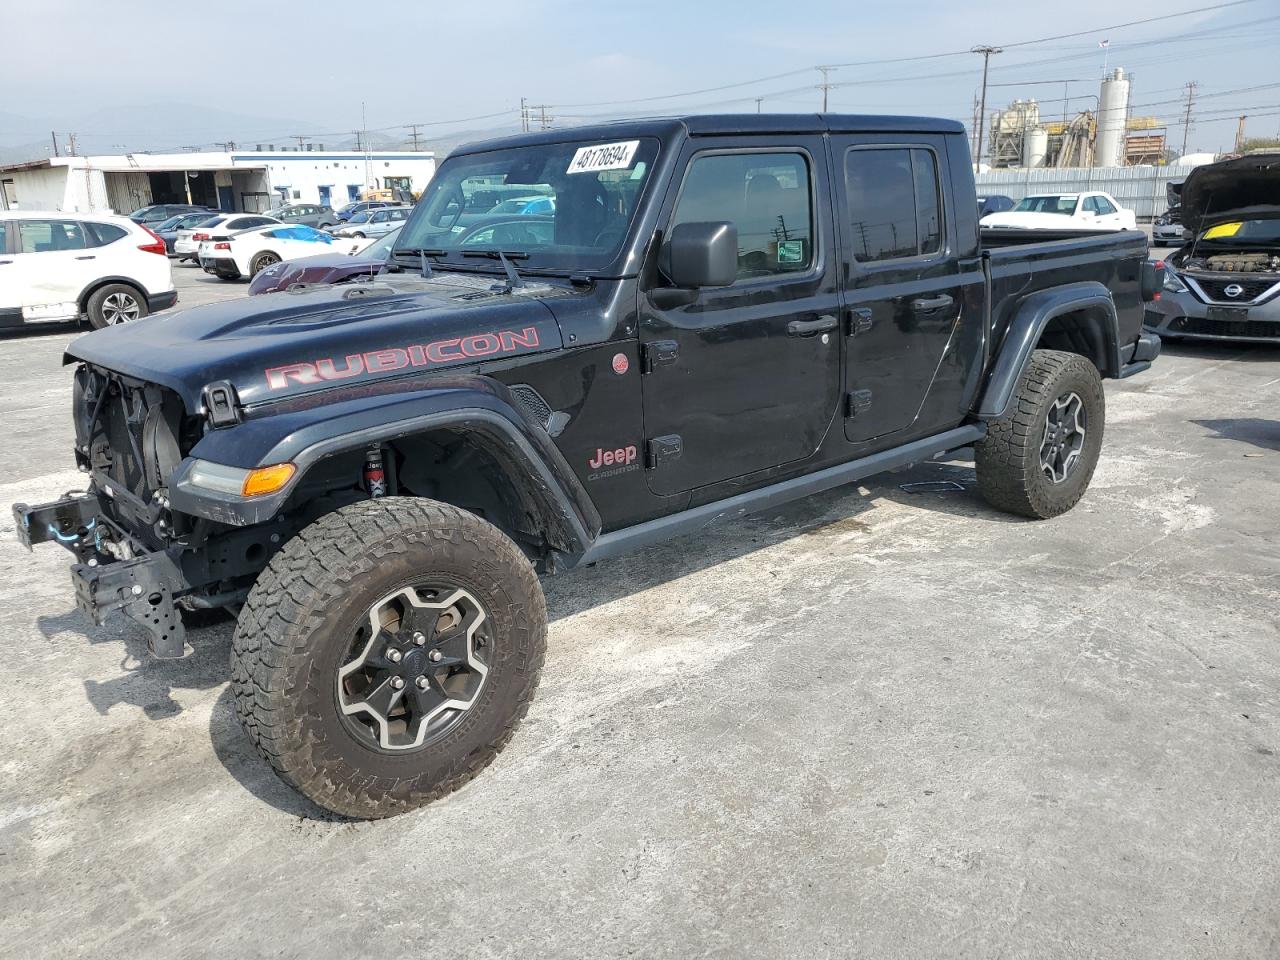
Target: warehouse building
241	180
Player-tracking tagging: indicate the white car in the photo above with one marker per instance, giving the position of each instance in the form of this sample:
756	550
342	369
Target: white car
1065	211
64	266
373	223
186	245
244	254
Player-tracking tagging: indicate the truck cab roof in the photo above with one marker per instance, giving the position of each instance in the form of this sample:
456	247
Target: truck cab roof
722	124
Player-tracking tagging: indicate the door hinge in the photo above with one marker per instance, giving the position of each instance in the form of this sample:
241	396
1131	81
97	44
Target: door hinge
856	401
660	450
221	404
859	320
658	351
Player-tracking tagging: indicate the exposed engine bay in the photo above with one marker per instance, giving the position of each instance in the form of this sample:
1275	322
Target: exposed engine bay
1243	262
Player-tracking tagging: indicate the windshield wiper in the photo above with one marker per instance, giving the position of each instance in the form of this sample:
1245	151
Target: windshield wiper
505	256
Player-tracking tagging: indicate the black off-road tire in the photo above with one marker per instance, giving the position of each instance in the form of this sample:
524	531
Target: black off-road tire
296	629
115	303
262	261
1010	475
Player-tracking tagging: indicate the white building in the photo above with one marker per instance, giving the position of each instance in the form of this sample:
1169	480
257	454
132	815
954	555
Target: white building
240	180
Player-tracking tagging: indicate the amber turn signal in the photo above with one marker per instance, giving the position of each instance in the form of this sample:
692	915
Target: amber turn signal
262	480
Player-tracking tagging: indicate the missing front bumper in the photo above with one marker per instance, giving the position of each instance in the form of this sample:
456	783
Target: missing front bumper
142	588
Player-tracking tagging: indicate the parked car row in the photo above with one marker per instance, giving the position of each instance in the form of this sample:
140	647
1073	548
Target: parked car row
64	266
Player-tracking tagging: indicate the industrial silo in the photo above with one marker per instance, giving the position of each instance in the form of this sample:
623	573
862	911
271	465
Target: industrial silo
1113	110
1035	145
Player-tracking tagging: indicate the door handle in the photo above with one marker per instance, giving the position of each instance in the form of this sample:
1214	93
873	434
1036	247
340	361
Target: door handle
802	328
4	262
89	257
929	304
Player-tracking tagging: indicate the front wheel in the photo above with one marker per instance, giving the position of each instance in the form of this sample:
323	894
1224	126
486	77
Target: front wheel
358	235
114	304
1037	460
387	653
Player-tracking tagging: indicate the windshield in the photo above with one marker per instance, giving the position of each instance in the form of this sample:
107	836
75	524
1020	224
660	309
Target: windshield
1265	232
588	192
362	217
1056	204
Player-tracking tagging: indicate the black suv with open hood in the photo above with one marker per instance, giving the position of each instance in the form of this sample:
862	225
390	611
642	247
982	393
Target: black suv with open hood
1225	283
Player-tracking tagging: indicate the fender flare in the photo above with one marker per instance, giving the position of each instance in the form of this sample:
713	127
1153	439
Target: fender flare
93	286
308	430
1029	321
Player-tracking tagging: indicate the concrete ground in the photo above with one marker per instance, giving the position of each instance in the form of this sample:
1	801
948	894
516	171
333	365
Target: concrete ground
876	723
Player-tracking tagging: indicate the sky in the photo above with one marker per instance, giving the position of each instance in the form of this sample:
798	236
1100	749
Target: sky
310	66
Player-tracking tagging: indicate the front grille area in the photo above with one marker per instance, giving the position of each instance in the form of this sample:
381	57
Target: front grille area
1254	329
1216	289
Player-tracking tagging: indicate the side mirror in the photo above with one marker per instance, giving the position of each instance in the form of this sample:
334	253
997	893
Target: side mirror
701	255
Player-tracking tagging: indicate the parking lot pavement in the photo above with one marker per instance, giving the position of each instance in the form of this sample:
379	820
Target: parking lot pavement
876	723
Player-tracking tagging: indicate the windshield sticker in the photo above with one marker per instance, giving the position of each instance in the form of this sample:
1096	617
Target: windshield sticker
603	156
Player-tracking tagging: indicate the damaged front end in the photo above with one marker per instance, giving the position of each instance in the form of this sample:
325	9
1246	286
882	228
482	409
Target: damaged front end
132	550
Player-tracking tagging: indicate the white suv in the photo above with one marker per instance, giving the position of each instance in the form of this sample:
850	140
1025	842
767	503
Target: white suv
62	266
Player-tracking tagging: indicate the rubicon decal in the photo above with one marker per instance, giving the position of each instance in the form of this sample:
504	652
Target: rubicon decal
435	353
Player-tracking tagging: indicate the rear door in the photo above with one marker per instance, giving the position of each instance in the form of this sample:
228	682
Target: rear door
747	376
903	296
54	265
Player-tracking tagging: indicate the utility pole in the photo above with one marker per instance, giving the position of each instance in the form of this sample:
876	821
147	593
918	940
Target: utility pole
1240	133
1186	119
758	102
300	139
226	145
973	128
359	141
413	127
71	138
986	52
524	115
543	120
825	86
54	134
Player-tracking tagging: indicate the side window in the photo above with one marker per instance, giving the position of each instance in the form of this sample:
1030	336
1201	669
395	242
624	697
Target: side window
894	204
100	234
767	196
1104	205
45	236
4	237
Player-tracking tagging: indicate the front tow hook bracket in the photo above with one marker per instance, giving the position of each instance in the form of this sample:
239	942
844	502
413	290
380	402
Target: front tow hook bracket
141	589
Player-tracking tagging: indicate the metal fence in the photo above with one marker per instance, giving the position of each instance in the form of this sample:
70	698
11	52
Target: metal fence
1141	189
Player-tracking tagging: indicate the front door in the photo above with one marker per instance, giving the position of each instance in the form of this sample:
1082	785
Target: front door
903	296
746	377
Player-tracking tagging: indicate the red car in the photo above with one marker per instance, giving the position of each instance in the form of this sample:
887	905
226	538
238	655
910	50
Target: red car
324	268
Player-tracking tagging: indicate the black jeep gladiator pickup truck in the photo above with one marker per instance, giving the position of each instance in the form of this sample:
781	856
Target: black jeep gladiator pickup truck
722	313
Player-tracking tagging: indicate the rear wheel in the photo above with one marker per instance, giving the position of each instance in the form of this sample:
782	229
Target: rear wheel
358	235
261	262
387	653
1037	460
114	304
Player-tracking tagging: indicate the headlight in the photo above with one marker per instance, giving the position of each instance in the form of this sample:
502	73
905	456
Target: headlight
1172	283
237	481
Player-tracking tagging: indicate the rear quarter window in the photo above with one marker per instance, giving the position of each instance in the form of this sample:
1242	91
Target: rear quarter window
100	234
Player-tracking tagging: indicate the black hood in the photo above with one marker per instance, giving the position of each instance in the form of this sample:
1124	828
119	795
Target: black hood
1246	188
291	343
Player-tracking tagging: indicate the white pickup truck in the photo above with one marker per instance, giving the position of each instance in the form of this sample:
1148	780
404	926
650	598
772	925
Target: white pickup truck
1094	210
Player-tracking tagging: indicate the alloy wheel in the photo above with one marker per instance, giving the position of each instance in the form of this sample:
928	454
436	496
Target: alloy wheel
120	308
417	665
1063	442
